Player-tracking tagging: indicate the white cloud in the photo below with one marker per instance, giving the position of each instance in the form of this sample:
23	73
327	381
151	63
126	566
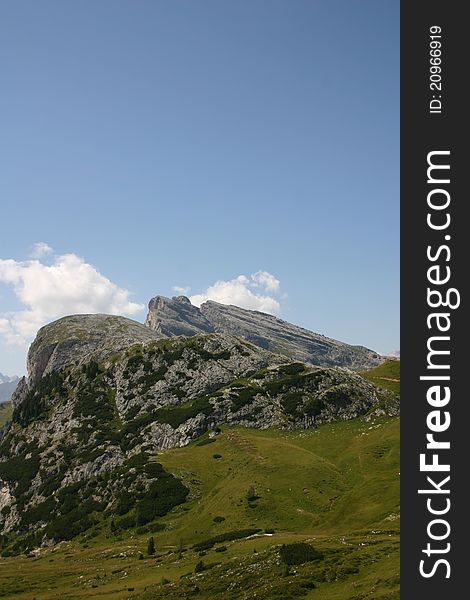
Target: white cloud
266	280
40	249
182	291
251	292
47	292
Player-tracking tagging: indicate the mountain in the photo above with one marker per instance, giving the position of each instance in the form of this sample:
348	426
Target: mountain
77	339
7	386
177	316
105	394
8	378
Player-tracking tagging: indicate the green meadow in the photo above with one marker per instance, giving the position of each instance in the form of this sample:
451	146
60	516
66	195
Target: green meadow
386	375
251	491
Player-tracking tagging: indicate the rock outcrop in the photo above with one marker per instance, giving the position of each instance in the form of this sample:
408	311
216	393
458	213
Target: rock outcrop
177	316
76	340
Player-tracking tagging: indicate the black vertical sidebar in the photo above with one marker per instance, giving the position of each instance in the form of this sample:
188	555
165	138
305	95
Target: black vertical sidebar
422	132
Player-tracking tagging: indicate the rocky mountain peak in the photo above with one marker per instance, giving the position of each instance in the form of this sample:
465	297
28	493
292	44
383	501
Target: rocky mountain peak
8	378
8	384
182	299
77	339
177	316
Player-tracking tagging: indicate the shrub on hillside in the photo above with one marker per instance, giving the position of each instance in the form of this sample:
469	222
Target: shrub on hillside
218	519
199	568
292	369
151	546
299	553
251	494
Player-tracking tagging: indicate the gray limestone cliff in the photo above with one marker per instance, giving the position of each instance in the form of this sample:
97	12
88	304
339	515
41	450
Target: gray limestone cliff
177	316
75	340
79	338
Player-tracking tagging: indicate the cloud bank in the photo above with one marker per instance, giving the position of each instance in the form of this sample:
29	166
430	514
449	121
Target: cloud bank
254	292
68	285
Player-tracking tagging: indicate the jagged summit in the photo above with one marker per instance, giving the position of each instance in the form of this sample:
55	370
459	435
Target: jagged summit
177	316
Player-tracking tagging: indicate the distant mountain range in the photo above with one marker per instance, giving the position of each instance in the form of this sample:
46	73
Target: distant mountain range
7	386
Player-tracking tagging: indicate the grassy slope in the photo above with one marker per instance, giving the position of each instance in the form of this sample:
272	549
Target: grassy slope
6	410
386	375
337	486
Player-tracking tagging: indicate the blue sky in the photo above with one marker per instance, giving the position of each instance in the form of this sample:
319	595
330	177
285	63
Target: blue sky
188	142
